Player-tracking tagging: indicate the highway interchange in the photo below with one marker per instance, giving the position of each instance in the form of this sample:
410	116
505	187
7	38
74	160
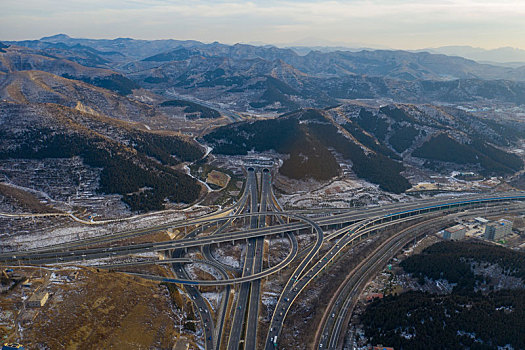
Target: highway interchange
251	222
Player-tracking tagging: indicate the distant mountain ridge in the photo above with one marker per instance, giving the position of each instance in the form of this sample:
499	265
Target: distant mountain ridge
265	78
388	63
499	55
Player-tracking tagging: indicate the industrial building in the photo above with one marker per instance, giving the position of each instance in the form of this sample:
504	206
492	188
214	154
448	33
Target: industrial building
455	232
481	220
38	299
495	231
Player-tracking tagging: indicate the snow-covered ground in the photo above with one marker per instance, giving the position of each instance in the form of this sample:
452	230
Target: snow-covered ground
214	299
191	269
41	238
222	256
340	193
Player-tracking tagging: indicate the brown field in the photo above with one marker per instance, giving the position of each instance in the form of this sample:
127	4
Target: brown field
104	310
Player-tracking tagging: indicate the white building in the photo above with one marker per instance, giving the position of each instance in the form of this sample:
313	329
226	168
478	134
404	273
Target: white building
495	231
455	232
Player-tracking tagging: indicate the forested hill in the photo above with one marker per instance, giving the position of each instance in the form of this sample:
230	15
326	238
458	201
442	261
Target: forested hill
192	108
467	318
133	163
306	137
377	141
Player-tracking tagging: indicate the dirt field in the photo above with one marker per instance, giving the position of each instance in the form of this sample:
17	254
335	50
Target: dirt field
102	310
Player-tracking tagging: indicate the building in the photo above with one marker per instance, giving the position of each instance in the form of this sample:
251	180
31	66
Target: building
38	299
455	232
495	231
481	220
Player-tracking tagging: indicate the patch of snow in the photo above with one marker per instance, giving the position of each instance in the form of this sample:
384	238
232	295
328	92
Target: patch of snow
214	299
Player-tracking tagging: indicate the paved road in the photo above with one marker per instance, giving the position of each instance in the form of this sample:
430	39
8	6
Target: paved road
237	327
250	339
299	281
334	325
201	305
392	211
338	313
362	223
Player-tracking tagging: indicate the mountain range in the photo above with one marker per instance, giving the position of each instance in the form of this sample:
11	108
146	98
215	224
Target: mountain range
503	55
266	78
119	104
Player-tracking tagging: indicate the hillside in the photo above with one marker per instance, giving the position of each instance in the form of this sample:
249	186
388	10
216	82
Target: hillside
388	63
490	159
132	163
16	58
306	137
31	86
477	314
377	142
192	108
435	133
119	102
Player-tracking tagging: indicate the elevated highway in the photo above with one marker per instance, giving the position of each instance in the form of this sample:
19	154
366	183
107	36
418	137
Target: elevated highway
349	227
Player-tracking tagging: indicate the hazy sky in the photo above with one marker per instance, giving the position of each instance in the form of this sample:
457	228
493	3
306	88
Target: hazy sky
400	24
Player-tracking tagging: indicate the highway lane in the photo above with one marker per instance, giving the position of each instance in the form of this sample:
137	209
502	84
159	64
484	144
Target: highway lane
76	255
292	254
394	210
207	253
348	293
162	262
212	335
189	242
236	331
362	222
266	272
299	281
383	254
300	278
255	291
288	296
354	233
201	305
237	209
